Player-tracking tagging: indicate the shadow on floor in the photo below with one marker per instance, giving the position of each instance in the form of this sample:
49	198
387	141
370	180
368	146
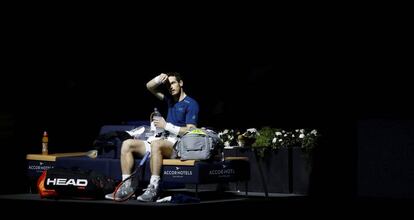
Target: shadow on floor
227	205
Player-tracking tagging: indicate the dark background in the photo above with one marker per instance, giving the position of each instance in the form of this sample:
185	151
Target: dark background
71	76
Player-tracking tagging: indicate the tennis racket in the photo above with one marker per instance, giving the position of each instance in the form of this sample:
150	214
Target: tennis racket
134	179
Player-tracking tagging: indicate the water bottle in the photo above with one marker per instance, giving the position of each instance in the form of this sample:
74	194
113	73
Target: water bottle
45	143
158	131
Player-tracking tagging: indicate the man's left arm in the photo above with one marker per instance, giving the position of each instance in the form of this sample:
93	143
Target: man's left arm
183	130
177	130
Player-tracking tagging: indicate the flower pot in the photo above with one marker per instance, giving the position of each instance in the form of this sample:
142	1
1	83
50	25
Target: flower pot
268	174
301	170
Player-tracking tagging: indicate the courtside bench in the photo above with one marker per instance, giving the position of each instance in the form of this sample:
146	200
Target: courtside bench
231	169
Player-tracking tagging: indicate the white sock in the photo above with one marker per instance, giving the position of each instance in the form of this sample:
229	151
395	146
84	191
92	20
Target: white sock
155	180
124	177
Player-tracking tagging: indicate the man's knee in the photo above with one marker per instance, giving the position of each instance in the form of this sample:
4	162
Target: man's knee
161	147
126	146
131	145
156	146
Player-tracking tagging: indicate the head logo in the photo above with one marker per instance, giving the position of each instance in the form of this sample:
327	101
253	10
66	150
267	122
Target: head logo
66	182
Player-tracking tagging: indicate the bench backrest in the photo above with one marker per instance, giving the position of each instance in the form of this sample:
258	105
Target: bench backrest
110	128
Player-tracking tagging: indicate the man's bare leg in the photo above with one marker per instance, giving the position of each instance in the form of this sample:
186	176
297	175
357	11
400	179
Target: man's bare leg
129	147
159	149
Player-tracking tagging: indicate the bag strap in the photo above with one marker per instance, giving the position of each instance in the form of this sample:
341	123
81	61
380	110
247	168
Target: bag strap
196	131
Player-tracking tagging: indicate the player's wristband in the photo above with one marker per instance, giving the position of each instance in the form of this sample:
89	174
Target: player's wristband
172	128
157	80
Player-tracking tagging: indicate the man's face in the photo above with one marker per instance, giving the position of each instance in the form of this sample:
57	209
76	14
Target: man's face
174	85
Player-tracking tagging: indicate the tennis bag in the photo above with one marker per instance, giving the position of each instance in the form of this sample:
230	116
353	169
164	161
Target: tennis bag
74	183
109	144
199	144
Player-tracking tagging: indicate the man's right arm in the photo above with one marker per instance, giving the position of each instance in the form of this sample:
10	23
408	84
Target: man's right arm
154	83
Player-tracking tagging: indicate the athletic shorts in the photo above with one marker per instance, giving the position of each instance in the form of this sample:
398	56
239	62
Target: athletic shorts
171	139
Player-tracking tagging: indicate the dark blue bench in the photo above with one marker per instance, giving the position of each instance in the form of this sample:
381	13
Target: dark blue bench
232	169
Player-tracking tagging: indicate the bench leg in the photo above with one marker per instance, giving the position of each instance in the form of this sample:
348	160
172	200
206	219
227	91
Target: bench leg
246	187
196	188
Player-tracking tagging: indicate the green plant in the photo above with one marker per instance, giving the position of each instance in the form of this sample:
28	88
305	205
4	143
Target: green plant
264	139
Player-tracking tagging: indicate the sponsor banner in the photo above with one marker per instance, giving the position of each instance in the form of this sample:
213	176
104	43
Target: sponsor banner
205	172
35	168
183	174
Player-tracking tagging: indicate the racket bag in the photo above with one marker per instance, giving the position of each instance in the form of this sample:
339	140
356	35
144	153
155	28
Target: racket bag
74	183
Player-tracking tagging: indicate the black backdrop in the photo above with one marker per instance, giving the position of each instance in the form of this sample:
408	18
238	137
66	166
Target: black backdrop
72	100
70	78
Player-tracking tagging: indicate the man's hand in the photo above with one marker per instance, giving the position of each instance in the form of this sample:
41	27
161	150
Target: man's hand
159	122
162	78
153	84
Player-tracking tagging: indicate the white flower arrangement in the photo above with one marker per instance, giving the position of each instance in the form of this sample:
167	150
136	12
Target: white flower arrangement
278	138
270	137
228	136
304	138
236	138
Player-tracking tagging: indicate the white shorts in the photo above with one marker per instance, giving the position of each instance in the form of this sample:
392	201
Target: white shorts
147	146
170	138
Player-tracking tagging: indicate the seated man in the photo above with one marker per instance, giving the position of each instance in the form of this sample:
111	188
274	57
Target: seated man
182	115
